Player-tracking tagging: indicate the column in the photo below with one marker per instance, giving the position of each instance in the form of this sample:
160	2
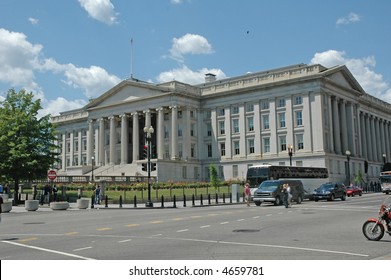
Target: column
273	127
369	136
377	145
135	137
388	139
228	132
113	136
364	151
186	143
79	148
257	129
242	130
124	138
344	129
373	138
101	153
330	121
337	134
90	141
350	128
72	150
64	151
174	132
160	133
382	138
147	118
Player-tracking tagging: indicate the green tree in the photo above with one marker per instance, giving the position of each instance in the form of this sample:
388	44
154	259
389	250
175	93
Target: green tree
359	178
214	180
26	142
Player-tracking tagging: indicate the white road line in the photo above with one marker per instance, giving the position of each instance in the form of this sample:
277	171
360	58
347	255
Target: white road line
156	235
48	250
206	226
224	223
81	249
126	240
182	230
256	217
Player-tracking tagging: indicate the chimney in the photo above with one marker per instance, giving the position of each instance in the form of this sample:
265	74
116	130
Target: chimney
209	77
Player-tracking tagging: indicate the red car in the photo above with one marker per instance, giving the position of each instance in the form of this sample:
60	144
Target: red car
353	190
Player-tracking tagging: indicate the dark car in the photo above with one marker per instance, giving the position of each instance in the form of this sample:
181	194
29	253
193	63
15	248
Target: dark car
271	191
330	191
353	190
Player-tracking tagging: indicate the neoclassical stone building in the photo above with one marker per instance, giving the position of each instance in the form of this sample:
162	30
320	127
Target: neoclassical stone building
231	123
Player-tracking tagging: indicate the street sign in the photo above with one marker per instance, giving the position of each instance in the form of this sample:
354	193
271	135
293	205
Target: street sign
52	174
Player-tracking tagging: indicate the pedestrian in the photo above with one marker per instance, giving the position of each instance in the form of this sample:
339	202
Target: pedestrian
286	189
97	195
46	194
247	193
1	202
55	190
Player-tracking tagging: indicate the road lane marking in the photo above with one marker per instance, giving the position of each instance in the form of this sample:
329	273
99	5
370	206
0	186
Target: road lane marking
133	225
177	219
71	233
104	228
224	223
156	222
182	230
156	235
81	249
196	217
47	250
256	217
28	239
123	241
241	220
205	226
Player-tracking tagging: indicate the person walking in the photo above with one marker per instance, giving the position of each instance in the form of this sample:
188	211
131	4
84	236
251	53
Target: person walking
97	195
247	193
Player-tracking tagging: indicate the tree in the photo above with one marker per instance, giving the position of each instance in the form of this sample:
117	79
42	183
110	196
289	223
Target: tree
359	178
27	146
213	176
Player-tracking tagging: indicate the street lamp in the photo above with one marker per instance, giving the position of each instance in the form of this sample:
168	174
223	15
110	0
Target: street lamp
148	137
92	170
290	153
347	153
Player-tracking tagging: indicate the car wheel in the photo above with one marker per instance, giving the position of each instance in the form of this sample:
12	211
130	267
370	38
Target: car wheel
316	200
331	197
360	194
277	201
343	198
257	203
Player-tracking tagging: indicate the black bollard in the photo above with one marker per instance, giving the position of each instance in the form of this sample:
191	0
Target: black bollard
193	200
174	205
202	200
135	201
230	197
120	201
217	198
184	200
209	198
162	201
92	201
106	201
224	198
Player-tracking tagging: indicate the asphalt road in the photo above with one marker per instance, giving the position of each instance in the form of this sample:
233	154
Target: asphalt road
310	231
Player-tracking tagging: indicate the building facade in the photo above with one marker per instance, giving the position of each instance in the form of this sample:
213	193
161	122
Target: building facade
233	123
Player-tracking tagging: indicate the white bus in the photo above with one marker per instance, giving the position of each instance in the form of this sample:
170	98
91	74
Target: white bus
312	177
385	182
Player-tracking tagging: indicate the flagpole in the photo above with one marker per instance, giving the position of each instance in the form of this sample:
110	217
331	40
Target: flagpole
131	58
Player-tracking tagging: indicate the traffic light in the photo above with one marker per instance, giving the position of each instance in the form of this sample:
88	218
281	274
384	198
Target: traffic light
145	151
145	167
153	151
153	166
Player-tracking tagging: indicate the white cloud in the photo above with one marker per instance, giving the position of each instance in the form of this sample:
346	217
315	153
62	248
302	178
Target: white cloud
186	75
20	60
351	18
176	2
33	21
101	10
361	68
190	44
60	104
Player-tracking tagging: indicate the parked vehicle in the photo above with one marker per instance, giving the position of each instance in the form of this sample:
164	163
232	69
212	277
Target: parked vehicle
353	190
330	191
271	191
374	228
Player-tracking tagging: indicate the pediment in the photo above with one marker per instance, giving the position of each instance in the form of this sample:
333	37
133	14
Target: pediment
125	92
344	78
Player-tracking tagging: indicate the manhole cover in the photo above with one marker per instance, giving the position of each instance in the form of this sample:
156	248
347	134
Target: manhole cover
246	230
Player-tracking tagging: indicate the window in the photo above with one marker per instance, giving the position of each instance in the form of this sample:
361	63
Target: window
221	112
180	114
282	143
166	132
299	118
76	145
166	116
192	130
250	123
235	110
300	141
208	114
209	129
265	105
251	147
180	132
281	103
236	148
281	119
235	124
249	107
298	100
222	149
193	150
209	150
235	171
184	172
265	120
266	145
222	127
192	114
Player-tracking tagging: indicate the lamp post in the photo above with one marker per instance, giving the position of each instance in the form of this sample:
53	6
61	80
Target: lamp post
148	137
290	153
92	170
347	153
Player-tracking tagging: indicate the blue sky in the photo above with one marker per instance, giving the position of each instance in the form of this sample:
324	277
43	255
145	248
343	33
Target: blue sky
68	51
